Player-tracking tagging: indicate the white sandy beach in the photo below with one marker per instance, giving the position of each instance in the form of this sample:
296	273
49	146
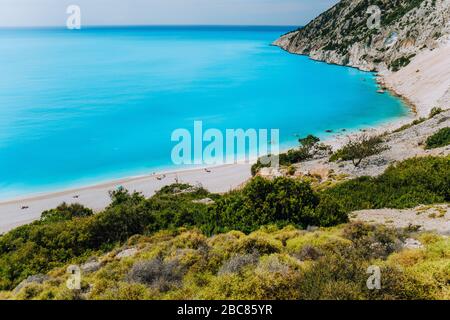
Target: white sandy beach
220	179
425	83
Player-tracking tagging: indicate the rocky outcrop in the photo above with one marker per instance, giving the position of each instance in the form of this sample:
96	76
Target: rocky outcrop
342	35
38	279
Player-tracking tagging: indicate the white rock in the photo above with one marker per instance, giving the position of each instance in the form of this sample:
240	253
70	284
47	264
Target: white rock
127	253
412	244
206	201
91	266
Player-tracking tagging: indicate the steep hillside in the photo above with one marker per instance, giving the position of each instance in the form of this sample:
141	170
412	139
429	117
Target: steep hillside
341	34
270	264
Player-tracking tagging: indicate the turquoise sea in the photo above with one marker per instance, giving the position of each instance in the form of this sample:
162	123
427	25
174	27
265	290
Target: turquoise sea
78	107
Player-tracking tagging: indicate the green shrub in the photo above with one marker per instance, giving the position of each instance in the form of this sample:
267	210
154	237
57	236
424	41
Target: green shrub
65	212
435	111
309	142
281	201
330	213
404	185
70	234
330	263
157	274
401	62
439	139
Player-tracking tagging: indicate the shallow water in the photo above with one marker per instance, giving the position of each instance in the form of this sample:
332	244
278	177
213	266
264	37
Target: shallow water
101	103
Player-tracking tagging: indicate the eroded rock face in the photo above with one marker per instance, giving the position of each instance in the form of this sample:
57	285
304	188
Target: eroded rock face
341	34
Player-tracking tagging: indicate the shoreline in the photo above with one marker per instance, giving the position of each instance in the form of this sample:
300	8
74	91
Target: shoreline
217	179
380	79
422	84
333	139
109	182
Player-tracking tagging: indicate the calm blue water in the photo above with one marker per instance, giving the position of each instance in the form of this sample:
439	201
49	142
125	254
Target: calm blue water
101	103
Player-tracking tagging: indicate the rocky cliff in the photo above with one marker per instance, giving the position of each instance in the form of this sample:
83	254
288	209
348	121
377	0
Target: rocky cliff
342	35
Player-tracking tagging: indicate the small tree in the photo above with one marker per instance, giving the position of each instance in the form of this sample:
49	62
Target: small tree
360	148
309	142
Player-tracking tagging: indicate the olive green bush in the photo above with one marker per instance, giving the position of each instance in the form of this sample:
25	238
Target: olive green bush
331	263
439	139
407	184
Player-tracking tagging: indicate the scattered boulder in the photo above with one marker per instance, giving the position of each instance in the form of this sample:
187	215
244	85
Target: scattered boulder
411	243
127	253
38	278
91	266
270	173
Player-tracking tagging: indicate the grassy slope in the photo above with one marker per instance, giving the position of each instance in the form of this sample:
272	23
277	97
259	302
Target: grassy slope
71	235
267	264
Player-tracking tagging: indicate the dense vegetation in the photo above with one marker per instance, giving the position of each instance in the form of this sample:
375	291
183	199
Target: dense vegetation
281	201
72	234
439	139
408	184
270	263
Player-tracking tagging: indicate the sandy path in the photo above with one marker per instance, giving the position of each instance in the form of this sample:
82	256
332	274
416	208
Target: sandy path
429	218
220	179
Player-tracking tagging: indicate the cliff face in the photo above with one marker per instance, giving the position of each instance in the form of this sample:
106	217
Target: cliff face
341	35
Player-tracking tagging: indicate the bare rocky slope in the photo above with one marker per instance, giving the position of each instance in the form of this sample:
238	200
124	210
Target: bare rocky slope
341	35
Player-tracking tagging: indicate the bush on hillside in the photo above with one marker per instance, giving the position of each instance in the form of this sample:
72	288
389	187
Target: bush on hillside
435	111
281	201
439	139
359	148
405	185
157	274
65	212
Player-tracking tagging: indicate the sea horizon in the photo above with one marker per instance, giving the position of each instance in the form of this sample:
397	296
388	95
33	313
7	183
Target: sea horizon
151	25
